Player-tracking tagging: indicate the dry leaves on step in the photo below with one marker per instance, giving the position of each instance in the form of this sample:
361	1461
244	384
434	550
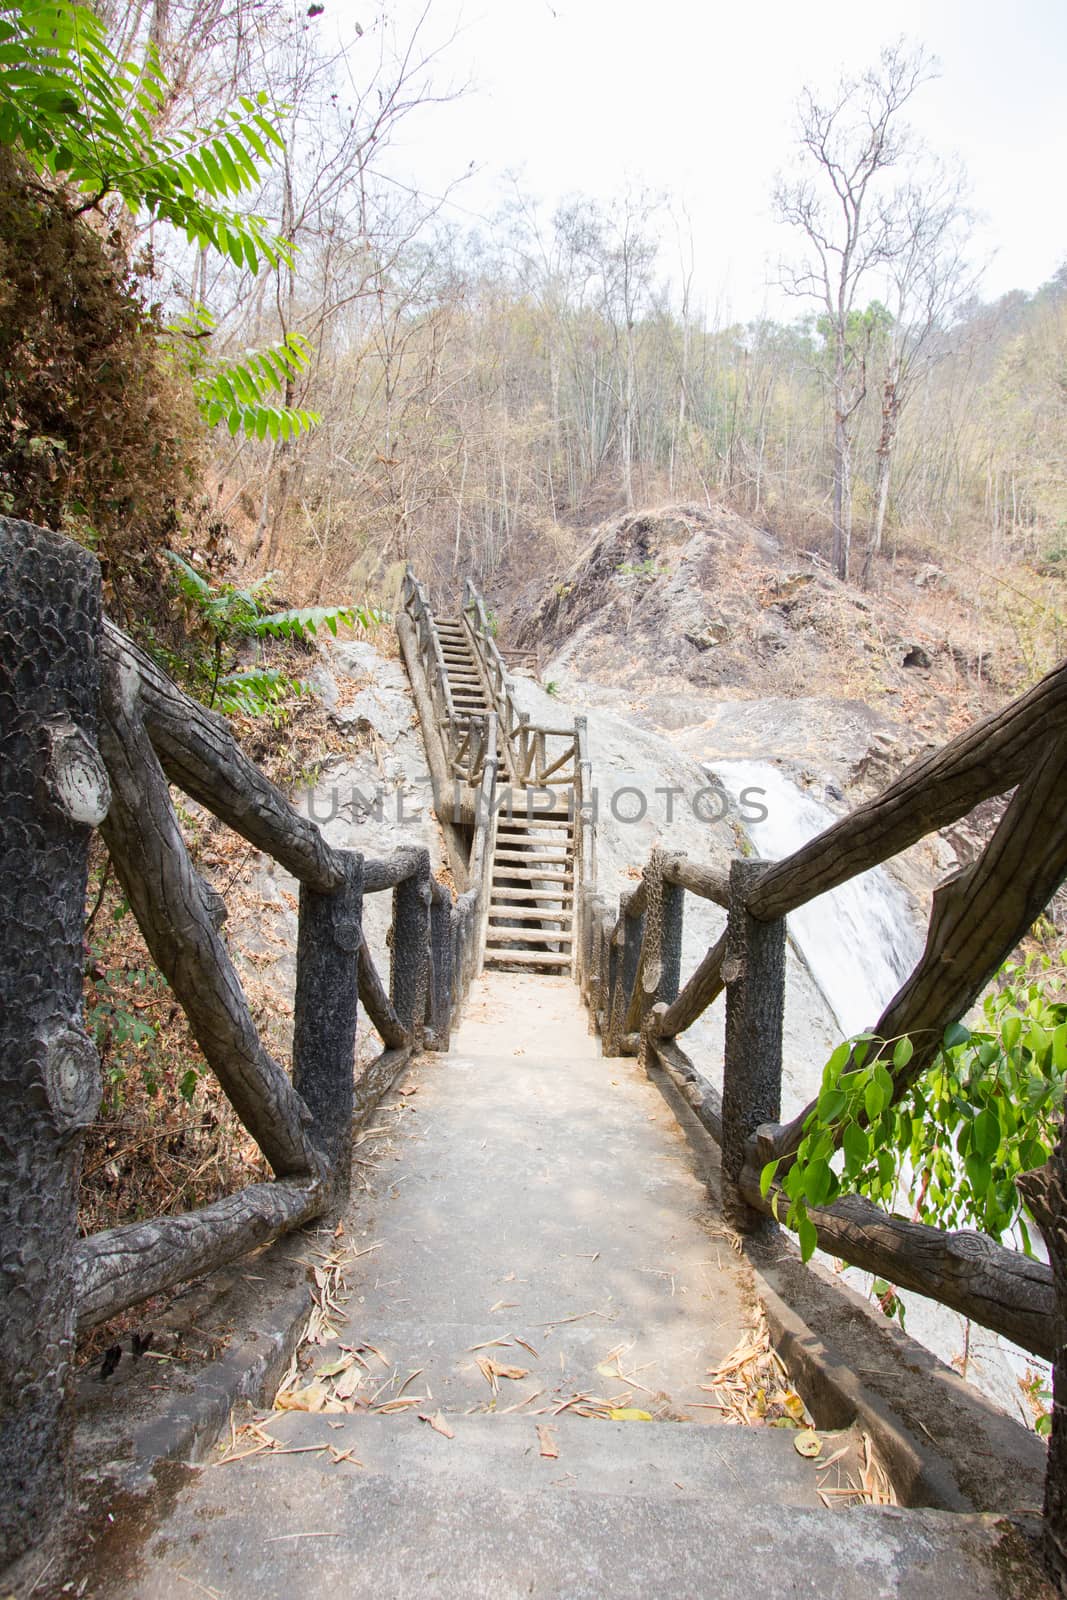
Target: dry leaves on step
751	1386
546	1437
437	1423
313	1397
252	1440
492	1370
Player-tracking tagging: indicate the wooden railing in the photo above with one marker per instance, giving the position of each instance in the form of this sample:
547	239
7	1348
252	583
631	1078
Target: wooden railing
534	755
630	973
465	737
93	733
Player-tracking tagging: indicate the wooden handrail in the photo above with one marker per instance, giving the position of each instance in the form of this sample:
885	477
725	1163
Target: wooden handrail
978	917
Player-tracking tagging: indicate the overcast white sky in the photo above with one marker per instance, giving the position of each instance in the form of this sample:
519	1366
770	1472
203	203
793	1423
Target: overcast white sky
697	99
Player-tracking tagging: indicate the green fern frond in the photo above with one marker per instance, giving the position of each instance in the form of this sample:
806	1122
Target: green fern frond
307	620
86	119
237	392
259	690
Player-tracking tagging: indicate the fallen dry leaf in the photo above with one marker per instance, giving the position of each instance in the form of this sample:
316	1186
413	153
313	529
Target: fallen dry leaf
437	1423
348	1383
410	1089
807	1443
492	1370
547	1438
313	1397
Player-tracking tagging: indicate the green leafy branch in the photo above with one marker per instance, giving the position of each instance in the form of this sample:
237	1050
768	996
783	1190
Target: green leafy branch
953	1146
227	614
238	392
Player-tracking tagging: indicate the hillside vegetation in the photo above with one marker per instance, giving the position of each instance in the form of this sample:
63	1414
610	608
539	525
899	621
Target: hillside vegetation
483	397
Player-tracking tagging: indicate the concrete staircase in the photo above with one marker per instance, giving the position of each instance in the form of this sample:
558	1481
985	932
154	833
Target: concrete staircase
533	1204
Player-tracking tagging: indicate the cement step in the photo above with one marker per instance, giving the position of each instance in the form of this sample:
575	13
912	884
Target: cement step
654	1460
630	1510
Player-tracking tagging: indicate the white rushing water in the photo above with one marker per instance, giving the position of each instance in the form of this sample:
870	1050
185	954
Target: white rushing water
859	941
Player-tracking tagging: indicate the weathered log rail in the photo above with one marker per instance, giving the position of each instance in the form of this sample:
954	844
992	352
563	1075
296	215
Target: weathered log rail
535	756
93	733
629	973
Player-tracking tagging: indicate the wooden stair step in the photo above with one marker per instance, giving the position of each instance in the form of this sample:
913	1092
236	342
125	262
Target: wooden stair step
500	897
512	849
528	958
520	824
507	871
533	862
531	914
527	857
517	823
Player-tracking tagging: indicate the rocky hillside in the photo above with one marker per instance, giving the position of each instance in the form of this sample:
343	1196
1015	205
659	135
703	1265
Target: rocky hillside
697	622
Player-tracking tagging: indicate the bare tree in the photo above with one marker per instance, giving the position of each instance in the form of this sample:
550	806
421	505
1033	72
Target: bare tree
931	283
853	226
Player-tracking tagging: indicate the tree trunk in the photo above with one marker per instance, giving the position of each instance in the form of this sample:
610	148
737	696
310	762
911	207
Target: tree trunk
628	422
842	546
891	404
52	790
1046	1194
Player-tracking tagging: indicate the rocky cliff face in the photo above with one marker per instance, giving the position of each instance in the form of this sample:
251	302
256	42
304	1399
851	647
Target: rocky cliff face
696	622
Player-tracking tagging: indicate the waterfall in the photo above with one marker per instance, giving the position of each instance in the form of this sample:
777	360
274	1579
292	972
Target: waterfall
859	941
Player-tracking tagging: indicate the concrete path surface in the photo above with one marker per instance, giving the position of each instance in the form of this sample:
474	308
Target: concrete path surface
527	1203
544	1192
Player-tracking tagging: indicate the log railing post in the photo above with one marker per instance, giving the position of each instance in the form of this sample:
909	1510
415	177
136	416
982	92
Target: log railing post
633	931
328	943
411	948
52	790
1045	1192
440	985
754	971
660	969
